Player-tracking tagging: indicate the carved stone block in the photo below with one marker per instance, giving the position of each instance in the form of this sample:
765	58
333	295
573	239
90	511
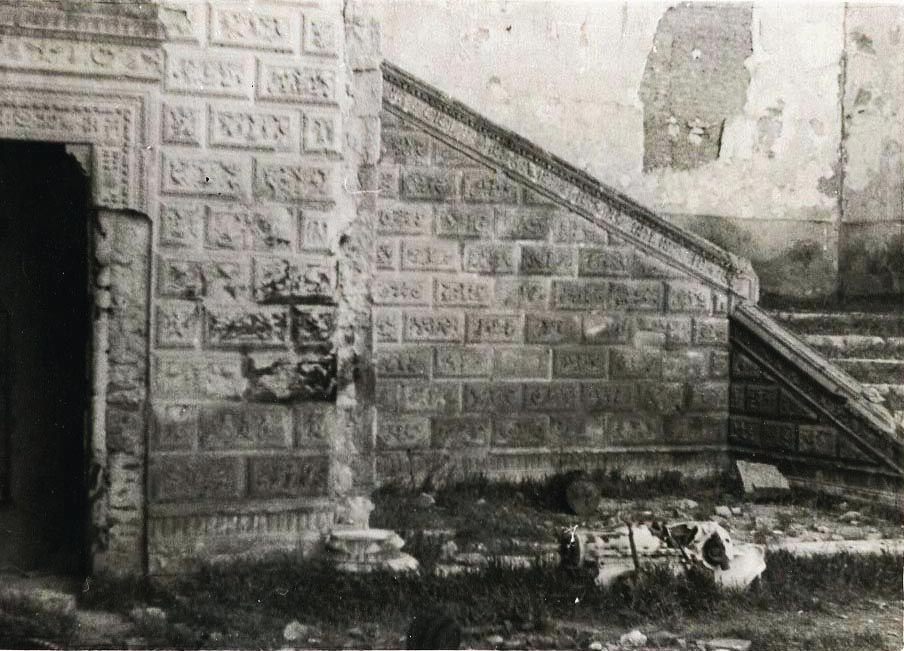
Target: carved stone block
258	29
386	254
434	326
490	258
403	433
234	326
207	74
552	328
520	362
182	124
314	425
407	361
291	183
80	57
456	433
205	176
487	328
404	219
175	427
178	324
260	128
521	293
457	361
180	224
491	398
195	479
288	476
551	396
588	362
401	290
522	432
464	221
322	133
430	255
296	83
282	280
461	292
521	224
608	396
252	427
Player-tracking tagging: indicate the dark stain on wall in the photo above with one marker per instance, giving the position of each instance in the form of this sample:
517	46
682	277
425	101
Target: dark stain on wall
694	80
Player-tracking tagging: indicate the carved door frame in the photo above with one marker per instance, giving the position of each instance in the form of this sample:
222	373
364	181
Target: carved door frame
106	131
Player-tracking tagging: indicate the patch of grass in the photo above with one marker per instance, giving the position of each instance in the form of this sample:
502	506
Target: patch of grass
249	603
22	626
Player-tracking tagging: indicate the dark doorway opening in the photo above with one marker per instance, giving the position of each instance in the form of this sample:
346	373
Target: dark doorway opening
44	345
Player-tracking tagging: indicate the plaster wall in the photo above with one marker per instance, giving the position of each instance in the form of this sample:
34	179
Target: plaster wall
577	78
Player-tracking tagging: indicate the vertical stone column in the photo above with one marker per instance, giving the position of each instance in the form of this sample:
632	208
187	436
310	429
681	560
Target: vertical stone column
118	434
352	468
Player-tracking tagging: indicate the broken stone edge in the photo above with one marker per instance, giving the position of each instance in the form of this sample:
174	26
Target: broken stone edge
463	128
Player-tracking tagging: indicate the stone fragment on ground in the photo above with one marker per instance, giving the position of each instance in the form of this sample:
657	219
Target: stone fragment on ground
726	644
761	480
723	512
425	501
633	639
582	496
147	616
296	631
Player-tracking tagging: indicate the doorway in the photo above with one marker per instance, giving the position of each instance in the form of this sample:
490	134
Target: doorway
44	347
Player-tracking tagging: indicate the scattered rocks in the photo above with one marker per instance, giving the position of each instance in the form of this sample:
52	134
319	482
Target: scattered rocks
595	646
633	639
727	644
147	616
851	517
737	510
686	504
295	631
448	550
723	512
495	640
425	501
662	638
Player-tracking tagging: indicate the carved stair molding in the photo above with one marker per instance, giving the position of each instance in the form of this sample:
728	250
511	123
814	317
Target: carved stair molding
461	127
836	398
130	23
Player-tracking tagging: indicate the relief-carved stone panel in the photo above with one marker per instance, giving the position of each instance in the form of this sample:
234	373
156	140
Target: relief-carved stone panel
82	58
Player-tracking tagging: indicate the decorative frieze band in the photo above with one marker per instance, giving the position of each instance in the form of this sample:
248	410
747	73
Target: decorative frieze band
549	176
80	57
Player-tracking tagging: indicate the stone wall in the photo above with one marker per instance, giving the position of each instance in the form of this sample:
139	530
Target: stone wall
515	337
260	130
228	146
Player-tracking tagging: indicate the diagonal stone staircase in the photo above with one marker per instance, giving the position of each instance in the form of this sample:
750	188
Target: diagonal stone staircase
869	346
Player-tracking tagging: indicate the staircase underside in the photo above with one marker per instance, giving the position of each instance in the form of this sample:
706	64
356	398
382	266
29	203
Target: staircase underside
809	415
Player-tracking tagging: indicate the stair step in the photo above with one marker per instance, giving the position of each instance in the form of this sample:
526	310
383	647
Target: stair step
842	323
874	371
857	346
893	395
